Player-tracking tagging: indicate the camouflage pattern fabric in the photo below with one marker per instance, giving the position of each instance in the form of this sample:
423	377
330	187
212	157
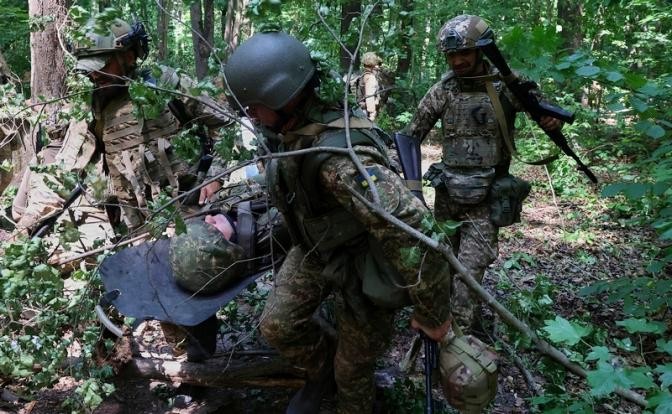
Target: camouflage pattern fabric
306	279
470	138
137	151
475	246
203	261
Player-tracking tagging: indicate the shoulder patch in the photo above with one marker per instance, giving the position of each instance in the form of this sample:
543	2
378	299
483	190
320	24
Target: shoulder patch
373	172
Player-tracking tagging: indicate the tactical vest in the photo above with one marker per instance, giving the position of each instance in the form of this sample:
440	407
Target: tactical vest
472	135
140	148
314	218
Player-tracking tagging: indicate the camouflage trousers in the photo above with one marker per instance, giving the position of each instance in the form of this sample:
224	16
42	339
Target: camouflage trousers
475	246
364	330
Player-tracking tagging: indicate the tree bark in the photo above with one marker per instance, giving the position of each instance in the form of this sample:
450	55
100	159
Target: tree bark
349	10
570	14
405	24
162	29
256	372
5	73
47	70
233	23
202	26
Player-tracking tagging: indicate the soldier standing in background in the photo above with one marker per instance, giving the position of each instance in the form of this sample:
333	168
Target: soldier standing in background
472	182
137	150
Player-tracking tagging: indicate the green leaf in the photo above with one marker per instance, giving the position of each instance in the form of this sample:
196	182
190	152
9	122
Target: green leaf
613	189
411	256
599	353
449	227
561	330
665	372
655	131
641	378
664	346
588	71
605	379
639	105
633	325
662	401
650	89
614	76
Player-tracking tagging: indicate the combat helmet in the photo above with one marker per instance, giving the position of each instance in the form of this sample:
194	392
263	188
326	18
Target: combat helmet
269	69
371	59
202	260
469	371
462	32
93	54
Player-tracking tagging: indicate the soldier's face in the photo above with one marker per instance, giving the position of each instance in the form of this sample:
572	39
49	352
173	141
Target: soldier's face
265	116
464	62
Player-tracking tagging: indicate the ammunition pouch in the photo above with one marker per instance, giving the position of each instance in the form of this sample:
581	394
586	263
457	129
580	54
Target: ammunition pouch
507	195
467	186
381	282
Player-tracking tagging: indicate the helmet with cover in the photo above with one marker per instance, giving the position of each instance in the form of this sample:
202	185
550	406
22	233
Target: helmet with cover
269	69
468	373
462	32
93	53
370	59
203	261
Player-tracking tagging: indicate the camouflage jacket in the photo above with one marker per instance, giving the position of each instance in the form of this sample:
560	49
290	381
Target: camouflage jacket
329	219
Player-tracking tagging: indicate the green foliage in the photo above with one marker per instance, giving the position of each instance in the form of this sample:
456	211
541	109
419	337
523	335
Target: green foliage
562	331
40	326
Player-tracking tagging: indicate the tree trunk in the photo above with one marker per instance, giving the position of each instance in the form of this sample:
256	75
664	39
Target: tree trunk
570	14
256	372
349	10
233	22
162	29
405	24
47	70
202	26
5	73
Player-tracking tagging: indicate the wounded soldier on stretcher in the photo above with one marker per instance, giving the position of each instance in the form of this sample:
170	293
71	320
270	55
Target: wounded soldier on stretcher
185	279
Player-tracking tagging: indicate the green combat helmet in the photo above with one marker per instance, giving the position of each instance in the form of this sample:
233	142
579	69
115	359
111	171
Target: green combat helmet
269	69
121	36
203	261
468	373
462	32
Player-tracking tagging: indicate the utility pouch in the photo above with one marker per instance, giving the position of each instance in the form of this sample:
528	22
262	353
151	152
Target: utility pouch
465	186
507	195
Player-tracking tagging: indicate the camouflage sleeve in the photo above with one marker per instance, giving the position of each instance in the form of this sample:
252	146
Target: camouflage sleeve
427	279
428	112
204	110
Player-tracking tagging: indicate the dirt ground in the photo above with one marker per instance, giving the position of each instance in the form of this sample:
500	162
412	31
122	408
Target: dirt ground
542	235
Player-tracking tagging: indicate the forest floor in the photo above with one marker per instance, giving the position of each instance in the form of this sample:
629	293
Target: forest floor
559	247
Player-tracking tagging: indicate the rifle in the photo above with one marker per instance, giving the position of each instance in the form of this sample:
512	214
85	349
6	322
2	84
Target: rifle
46	224
410	158
430	363
536	109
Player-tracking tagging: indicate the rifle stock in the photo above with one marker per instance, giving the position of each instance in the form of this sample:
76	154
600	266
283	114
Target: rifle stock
46	224
536	109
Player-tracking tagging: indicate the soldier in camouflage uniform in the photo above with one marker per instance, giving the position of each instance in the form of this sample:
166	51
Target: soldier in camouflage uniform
137	151
339	245
477	114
